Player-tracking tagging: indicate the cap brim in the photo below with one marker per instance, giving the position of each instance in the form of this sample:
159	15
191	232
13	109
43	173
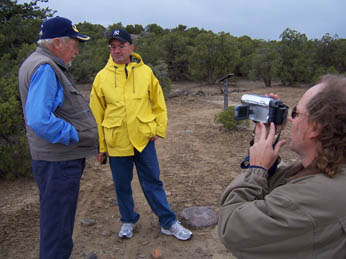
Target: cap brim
81	37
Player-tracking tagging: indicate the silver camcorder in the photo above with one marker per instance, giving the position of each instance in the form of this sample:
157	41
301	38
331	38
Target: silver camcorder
260	108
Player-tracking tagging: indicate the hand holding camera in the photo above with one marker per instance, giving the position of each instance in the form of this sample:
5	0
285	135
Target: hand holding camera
263	152
270	116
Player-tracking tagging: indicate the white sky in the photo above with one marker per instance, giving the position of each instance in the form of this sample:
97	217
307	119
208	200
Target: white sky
259	19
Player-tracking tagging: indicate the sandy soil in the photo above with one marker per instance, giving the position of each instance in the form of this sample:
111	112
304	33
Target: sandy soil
198	159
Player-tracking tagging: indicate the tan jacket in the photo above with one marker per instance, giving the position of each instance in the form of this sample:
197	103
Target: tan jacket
288	216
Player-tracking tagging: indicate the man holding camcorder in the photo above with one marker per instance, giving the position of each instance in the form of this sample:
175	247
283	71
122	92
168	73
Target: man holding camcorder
298	211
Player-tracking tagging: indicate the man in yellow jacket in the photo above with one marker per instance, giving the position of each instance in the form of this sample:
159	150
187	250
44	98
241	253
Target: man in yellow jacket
129	107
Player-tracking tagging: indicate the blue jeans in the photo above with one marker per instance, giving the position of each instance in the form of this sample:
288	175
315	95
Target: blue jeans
149	177
58	183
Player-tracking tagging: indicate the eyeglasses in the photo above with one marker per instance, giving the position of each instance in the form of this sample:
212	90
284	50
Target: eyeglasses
294	113
121	47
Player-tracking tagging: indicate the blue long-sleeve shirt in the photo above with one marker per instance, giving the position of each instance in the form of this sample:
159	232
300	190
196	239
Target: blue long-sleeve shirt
45	95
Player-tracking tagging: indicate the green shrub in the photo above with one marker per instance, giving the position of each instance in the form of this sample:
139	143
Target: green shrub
92	58
332	70
161	72
226	118
16	159
320	71
14	151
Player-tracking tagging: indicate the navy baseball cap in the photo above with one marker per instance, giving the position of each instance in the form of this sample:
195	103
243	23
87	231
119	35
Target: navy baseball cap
60	27
121	35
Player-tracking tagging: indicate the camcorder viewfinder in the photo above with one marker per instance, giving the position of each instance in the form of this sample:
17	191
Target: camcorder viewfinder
259	108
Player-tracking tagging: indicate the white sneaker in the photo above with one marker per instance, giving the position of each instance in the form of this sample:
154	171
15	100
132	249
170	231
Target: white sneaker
126	230
178	231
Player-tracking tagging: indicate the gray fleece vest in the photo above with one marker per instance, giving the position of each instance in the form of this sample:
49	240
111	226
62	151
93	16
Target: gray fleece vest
75	110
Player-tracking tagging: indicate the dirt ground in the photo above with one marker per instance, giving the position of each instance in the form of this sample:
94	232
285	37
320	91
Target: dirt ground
198	159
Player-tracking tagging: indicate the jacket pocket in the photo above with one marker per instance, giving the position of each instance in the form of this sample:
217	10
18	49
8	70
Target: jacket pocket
86	127
147	125
84	122
111	122
111	131
88	137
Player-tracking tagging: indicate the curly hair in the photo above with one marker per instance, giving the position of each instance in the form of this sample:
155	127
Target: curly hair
328	108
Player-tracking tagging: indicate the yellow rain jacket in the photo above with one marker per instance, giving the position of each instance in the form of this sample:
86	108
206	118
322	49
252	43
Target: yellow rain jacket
129	107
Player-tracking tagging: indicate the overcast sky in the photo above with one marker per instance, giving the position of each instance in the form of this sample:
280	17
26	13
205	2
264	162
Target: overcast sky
259	19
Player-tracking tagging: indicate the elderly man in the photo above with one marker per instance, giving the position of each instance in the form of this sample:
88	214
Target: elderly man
299	211
61	132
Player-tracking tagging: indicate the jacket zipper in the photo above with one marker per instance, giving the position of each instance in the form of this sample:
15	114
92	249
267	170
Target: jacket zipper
133	79
115	77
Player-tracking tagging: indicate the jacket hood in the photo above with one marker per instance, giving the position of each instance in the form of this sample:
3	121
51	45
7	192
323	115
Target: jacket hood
135	58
